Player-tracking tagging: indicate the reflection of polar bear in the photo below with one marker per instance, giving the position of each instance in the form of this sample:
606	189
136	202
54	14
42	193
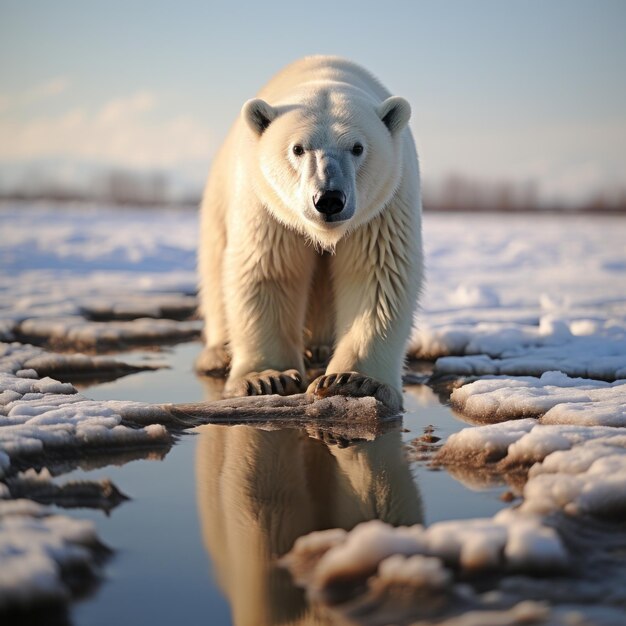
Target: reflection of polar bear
310	225
258	491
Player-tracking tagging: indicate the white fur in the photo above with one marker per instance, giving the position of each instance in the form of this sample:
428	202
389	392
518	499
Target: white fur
271	266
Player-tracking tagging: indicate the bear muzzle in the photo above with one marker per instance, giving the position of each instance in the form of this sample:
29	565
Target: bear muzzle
329	202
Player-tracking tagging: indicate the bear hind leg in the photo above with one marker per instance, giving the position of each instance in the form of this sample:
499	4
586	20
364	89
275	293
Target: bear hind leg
320	317
213	361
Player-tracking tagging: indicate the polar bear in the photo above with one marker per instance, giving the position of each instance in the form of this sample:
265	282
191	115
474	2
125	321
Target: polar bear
310	234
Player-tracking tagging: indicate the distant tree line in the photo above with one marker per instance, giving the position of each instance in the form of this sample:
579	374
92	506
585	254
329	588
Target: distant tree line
460	193
455	193
115	186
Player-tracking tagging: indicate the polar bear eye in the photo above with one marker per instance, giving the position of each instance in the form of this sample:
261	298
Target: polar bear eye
357	149
298	150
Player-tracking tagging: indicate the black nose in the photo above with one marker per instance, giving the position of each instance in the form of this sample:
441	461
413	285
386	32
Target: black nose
329	202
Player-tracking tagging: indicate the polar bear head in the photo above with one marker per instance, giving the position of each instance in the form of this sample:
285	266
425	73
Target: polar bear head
328	163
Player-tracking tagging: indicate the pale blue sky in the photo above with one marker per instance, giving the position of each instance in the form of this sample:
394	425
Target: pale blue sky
499	89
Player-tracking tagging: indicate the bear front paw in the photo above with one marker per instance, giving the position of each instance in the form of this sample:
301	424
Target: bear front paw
213	361
355	385
265	383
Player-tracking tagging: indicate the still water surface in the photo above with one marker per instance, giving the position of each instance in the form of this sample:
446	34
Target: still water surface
197	541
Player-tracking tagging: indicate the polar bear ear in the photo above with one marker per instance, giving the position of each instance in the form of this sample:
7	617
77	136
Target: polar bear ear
394	113
258	114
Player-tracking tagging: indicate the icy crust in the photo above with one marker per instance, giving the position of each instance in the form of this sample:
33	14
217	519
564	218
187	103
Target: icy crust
77	332
144	273
555	398
578	347
518	443
573	467
476	572
40	487
380	574
569	433
34	298
21	359
43	415
505	542
587	480
521	297
41	554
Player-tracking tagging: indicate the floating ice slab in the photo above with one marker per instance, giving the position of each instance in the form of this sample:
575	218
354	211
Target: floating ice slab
501	348
78	333
382	574
554	397
522	296
588	479
42	415
40	551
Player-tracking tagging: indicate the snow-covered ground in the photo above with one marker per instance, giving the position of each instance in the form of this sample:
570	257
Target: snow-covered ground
526	315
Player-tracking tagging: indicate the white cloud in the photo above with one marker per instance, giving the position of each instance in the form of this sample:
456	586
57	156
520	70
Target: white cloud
119	109
118	132
52	87
43	91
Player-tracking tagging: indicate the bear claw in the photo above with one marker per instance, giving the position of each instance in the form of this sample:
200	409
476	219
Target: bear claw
355	385
268	382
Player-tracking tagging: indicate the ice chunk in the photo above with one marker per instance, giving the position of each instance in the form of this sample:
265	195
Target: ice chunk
554	397
36	547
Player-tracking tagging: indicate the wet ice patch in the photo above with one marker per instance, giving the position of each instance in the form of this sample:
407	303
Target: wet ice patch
576	347
475	571
586	480
570	432
41	487
380	574
523	296
554	397
41	555
39	416
79	333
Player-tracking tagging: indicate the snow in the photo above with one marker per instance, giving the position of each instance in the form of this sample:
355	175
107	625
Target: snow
575	443
133	274
76	332
588	480
527	315
87	237
38	550
415	570
438	564
509	297
554	397
518	349
474	571
41	416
